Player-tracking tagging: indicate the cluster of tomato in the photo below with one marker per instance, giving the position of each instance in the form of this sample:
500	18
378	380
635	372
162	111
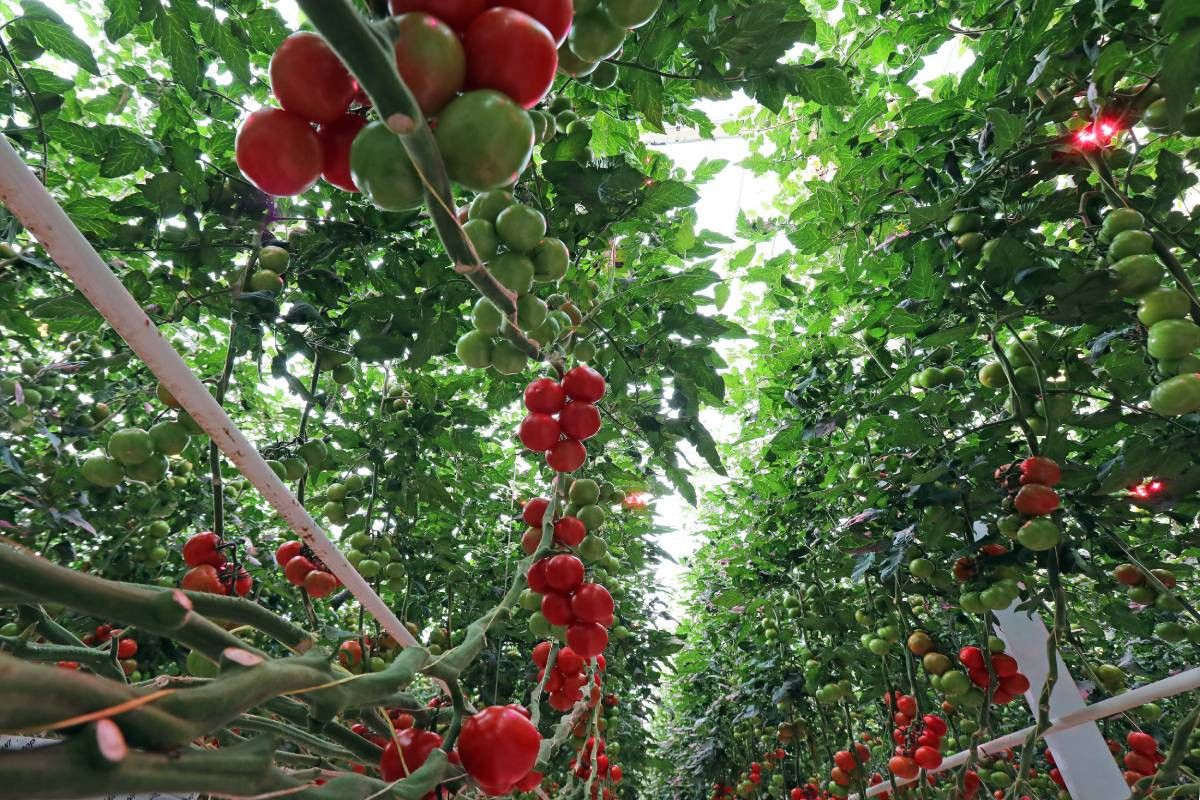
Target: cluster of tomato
581	764
1031	495
584	609
918	742
562	415
127	648
1141	760
302	568
753	777
564	685
1011	682
210	571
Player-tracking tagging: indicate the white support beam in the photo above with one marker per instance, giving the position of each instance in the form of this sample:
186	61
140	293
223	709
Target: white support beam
29	201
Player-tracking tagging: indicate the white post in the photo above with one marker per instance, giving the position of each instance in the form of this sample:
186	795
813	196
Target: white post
25	196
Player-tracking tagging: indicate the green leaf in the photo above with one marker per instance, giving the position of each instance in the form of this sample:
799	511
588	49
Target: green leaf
57	38
1180	74
122	16
826	84
665	195
124	151
219	38
68	312
1007	129
179	48
646	92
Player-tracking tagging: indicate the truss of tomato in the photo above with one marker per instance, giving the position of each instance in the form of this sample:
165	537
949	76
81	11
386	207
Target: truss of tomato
336	138
455	13
309	80
430	58
511	52
487	162
278	152
498	746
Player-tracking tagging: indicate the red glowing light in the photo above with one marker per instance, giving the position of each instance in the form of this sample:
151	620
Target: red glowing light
1148	490
637	501
1098	134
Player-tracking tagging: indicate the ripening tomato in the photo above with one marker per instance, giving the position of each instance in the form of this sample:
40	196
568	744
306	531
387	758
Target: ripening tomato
556	15
414	750
430	59
309	80
566	456
534	512
1035	500
287	551
511	52
350	653
336	138
579	420
531	540
458	14
278	152
319	583
203	578
498	746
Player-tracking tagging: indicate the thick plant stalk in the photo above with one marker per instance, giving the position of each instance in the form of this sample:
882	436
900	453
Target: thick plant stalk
29	201
373	64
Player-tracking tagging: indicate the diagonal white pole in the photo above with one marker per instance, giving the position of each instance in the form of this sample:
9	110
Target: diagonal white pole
25	196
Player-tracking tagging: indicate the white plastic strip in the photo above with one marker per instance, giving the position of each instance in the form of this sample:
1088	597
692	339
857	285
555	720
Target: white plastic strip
29	201
1168	687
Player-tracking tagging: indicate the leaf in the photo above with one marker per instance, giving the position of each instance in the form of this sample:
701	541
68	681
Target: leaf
931	215
69	312
665	195
825	84
1180	74
57	38
1007	129
124	151
219	37
179	48
122	16
646	92
679	480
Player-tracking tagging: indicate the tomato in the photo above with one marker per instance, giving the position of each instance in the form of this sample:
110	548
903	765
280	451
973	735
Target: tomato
498	746
1176	396
556	608
1004	665
576	67
203	578
492	161
336	138
569	531
1038	469
541	654
531	781
1142	743
127	648
309	80
972	657
278	152
928	758
297	570
521	228
1035	500
588	639
475	349
350	653
551	259
1162	303
584	384
514	271
632	13
569	662
555	15
458	14
903	767
319	583
534	511
544	396
430	59
1039	534
592	603
536	577
531	540
539	432
287	551
564	573
566	456
579	420
241	582
414	750
1137	274
1173	338
595	36
381	168
1016	684
511	52
201	548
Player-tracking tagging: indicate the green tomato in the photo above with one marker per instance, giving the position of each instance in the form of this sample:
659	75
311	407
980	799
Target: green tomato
483	238
531	312
487	206
584	492
103	471
486	317
632	13
1119	220
314	452
921	568
278	468
131	446
507	358
964	222
1130	243
521	228
381	168
604	76
150	471
1172	339
1137	275
592	549
273	258
1039	533
595	36
551	258
1176	396
514	271
572	65
486	162
475	349
992	375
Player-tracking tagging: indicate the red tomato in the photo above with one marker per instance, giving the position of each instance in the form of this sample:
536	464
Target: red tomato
579	421
1004	665
539	432
336	138
566	456
903	767
569	662
455	13
1142	743
588	639
1036	500
544	396
415	747
319	583
584	384
309	80
430	59
531	781
511	52
498	746
556	15
907	705
1139	763
1039	469
556	608
203	578
127	648
935	725
1015	685
278	152
287	551
536	577
928	757
569	531
593	603
241	583
534	512
297	570
201	548
564	573
350	653
541	653
845	761
972	657
531	540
